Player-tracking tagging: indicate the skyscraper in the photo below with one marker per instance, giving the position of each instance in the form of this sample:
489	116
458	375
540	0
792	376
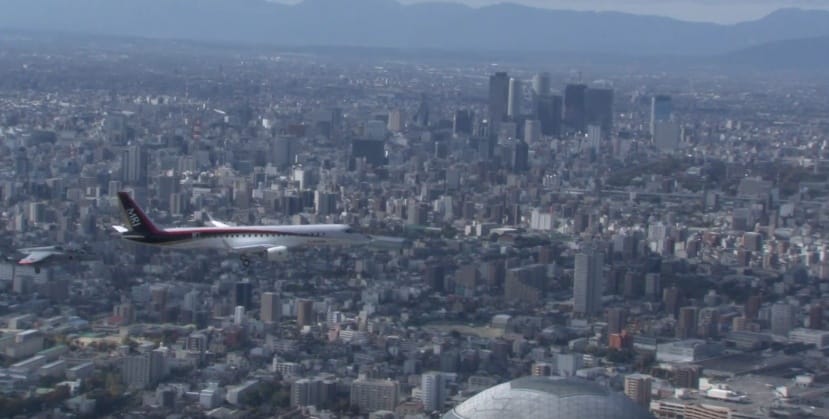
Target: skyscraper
325	203
708	322
574	107
587	282
462	122
532	131
661	110
598	107
283	151
541	84
243	294
782	318
421	117
616	320
395	120
516	95
520	157
686	325
498	98
548	111
270	308
134	165
304	313
434	393
373	151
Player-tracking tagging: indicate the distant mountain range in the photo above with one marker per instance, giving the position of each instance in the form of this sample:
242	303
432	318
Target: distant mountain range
791	54
386	23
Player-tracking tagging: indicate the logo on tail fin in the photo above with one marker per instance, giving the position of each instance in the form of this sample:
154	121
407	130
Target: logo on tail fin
135	219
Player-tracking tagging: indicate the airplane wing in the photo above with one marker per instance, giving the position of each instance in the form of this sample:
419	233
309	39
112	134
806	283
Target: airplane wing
36	256
120	229
216	223
248	249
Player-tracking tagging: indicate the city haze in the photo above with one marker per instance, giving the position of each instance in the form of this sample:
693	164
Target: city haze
386	23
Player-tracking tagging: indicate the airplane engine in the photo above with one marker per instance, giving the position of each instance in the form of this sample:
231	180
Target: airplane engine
277	253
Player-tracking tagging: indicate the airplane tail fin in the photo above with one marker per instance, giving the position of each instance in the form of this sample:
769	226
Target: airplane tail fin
134	217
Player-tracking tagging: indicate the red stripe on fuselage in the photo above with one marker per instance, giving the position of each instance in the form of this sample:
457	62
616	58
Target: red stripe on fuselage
220	230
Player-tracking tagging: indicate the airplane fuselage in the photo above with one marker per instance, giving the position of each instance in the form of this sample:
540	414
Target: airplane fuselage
272	241
249	237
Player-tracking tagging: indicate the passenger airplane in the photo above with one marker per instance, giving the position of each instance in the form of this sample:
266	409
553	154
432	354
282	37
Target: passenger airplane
272	241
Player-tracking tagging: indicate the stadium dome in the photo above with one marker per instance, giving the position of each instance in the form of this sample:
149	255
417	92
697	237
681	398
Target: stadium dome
548	398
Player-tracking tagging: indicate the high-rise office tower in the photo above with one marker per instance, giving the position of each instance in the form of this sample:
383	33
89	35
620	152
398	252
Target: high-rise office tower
520	157
686	325
671	299
661	110
270	309
434	393
304	313
325	203
283	151
541	84
665	131
616	320
498	98
462	122
708	322
598	106
134	165
548	111
782	319
374	151
574	107
239	315
594	137
243	294
516	95
421	117
395	120
532	131
587	282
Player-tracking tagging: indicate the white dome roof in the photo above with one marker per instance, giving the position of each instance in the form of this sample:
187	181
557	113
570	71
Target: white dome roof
548	398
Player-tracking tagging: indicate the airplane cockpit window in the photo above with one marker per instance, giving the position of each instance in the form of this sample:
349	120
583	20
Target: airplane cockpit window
349	231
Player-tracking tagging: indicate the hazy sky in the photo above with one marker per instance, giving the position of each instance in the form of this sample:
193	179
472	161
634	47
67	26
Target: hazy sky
722	11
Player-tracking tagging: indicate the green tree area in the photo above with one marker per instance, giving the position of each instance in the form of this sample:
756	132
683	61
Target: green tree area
790	177
106	403
712	177
13	406
268	397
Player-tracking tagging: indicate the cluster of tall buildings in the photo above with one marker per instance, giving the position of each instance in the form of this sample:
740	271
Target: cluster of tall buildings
579	107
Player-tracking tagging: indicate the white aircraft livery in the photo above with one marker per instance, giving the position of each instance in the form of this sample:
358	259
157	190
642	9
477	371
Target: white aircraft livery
37	256
272	241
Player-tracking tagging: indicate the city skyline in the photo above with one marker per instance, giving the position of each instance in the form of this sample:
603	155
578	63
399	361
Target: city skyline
601	240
